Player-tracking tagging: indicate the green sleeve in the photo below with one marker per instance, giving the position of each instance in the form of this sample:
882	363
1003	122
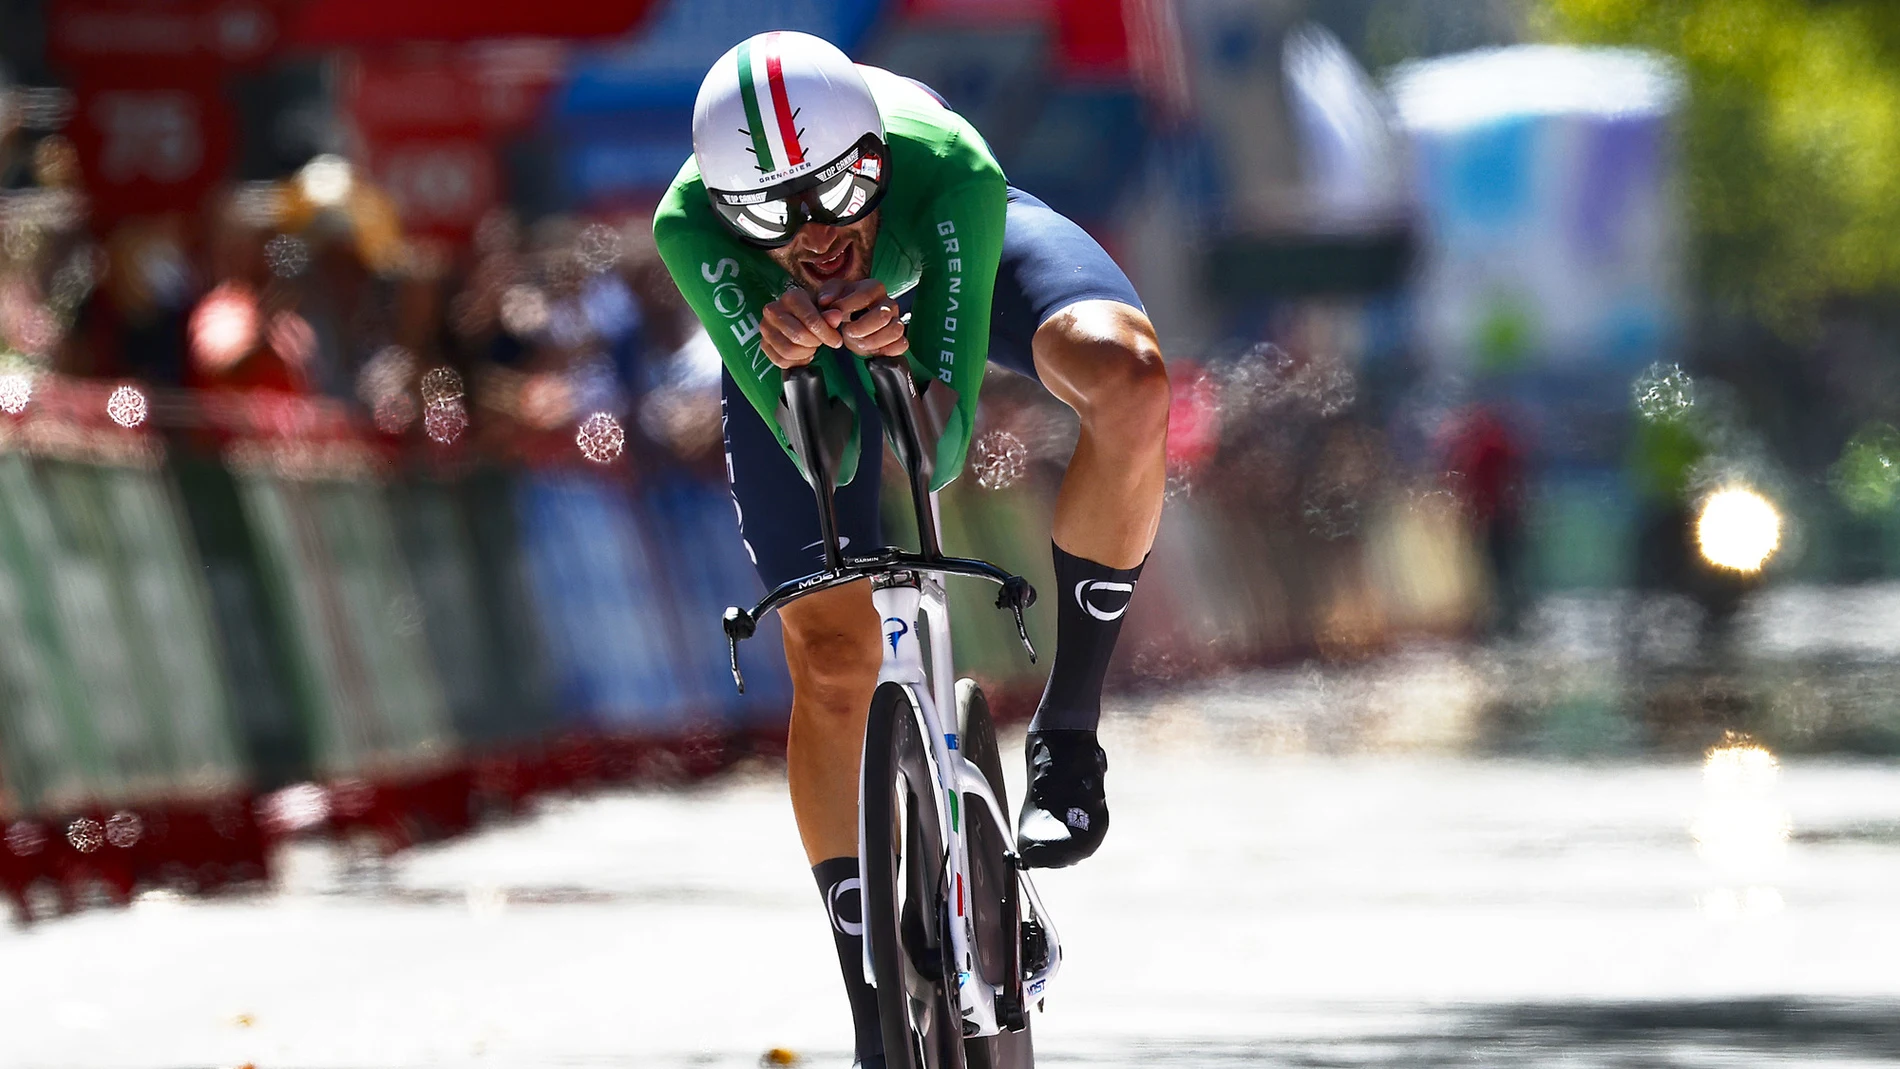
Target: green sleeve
949	328
728	286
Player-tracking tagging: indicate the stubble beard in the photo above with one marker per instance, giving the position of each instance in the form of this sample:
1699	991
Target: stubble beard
861	235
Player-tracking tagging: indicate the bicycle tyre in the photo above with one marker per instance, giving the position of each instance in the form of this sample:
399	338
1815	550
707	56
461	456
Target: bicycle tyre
904	913
994	894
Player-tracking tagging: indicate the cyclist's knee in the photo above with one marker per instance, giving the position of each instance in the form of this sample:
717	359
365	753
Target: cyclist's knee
1102	358
832	649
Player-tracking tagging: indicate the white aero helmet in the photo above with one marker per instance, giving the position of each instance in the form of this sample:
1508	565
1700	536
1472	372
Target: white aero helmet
785	131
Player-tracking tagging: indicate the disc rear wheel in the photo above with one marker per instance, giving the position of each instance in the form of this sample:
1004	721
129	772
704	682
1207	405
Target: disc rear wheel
994	893
904	914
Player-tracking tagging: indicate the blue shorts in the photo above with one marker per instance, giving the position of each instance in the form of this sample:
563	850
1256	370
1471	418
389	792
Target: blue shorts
1048	264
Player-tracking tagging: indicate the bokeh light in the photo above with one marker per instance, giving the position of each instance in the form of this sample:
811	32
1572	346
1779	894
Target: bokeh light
86	835
1738	529
287	256
394	412
598	248
127	406
1866	478
16	390
224	327
294	808
385	376
1663	393
444	421
441	384
524	311
600	438
26	839
124	829
326	181
999	460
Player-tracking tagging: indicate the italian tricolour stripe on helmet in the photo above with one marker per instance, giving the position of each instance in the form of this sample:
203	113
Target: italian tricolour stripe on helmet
768	109
774	107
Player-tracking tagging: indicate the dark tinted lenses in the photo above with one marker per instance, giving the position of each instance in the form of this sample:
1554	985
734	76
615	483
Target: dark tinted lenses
840	193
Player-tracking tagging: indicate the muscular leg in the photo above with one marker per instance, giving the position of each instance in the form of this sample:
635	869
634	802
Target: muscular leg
831	647
1101	359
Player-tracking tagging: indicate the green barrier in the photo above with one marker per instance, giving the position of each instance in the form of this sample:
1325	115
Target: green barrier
353	623
49	746
458	538
113	684
273	715
517	650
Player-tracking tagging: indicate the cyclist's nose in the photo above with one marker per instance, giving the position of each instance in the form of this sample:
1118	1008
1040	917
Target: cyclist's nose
817	237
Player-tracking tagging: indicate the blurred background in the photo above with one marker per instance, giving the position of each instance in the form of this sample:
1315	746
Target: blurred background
361	482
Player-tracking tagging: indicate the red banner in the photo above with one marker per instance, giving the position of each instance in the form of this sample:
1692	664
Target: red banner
430	120
151	140
88	35
365	23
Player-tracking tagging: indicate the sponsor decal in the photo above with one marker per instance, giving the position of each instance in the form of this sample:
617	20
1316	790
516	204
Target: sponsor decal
844	902
730	301
953	272
903	629
1089	591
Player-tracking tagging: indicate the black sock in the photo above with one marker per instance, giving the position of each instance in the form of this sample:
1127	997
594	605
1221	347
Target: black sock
1090	601
844	905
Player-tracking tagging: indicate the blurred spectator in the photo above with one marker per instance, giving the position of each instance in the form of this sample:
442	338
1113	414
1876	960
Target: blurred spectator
1484	470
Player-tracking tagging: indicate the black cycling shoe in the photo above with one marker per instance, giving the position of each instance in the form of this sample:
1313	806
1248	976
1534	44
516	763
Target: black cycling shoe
1066	815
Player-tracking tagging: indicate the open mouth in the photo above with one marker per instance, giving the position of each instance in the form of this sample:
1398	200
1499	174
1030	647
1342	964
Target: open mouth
833	265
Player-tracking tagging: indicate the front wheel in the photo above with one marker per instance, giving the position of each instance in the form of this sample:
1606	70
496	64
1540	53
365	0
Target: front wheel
904	914
994	895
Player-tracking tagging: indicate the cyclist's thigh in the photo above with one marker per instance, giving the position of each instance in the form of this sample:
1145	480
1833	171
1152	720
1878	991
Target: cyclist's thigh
1049	263
778	517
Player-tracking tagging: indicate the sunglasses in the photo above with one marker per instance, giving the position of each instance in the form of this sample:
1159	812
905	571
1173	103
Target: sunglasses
841	192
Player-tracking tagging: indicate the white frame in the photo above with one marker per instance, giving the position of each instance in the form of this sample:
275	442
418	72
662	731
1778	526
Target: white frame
931	691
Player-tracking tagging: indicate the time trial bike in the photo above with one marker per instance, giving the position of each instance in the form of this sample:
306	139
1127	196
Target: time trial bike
957	942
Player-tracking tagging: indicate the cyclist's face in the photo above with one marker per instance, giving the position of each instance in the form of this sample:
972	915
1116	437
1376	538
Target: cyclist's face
818	254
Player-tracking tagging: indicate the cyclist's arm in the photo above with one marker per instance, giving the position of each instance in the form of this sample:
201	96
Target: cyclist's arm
949	329
728	290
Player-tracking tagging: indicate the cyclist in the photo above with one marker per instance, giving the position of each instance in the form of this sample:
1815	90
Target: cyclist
818	193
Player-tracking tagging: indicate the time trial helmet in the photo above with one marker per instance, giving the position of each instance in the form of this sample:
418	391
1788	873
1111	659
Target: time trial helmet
785	131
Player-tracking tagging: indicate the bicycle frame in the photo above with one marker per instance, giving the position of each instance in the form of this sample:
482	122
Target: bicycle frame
904	587
900	597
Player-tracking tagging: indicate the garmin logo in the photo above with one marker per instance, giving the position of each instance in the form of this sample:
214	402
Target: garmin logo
1092	594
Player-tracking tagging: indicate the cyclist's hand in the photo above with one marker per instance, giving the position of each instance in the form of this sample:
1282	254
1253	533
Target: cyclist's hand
866	316
792	330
